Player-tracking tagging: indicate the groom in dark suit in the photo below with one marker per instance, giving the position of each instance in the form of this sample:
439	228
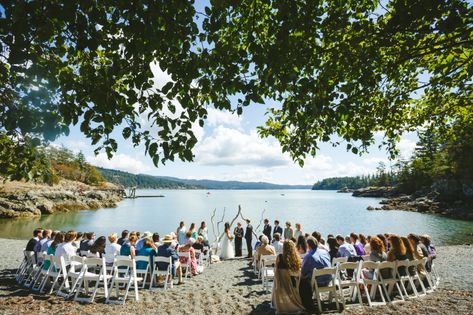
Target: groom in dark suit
249	237
277	228
267	229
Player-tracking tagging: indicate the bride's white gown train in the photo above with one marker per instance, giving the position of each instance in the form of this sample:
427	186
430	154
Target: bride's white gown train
227	251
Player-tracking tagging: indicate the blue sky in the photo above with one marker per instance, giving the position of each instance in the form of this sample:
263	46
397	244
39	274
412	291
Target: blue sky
230	149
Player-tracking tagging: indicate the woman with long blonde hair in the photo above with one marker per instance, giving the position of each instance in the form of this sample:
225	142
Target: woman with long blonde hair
286	298
397	252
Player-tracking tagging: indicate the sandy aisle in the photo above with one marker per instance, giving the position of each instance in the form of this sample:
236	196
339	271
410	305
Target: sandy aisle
230	288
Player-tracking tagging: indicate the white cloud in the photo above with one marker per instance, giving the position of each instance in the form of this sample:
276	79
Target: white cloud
119	161
231	147
74	145
406	147
217	118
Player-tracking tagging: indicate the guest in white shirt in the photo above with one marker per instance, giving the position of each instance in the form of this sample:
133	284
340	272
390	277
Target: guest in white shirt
112	249
66	249
277	244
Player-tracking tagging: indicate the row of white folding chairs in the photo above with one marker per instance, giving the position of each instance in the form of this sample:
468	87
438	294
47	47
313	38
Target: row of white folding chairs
84	269
379	284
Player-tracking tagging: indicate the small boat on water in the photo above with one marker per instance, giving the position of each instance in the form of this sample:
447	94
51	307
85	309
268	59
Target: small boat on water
282	194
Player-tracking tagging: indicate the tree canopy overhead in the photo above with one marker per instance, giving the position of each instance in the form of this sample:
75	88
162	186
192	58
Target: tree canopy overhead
341	70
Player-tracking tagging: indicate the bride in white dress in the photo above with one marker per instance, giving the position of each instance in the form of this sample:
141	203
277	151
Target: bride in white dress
227	251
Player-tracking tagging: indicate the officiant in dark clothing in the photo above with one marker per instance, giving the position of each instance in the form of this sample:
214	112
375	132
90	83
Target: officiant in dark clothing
238	232
249	237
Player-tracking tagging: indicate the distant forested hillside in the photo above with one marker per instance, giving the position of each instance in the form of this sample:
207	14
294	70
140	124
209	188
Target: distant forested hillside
142	181
217	184
383	178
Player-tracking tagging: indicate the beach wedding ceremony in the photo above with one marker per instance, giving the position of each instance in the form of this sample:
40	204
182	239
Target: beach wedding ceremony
236	157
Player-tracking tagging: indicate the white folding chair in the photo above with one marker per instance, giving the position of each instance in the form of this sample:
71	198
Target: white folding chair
57	270
205	258
35	269
352	283
331	287
166	272
366	257
84	253
416	277
374	283
36	286
124	273
339	260
75	272
389	281
142	268
434	274
93	270
26	266
268	264
21	267
405	278
185	262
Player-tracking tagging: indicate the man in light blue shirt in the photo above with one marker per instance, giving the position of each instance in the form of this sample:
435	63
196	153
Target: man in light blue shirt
345	249
317	258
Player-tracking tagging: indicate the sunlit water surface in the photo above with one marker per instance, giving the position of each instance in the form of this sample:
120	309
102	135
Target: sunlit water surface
325	211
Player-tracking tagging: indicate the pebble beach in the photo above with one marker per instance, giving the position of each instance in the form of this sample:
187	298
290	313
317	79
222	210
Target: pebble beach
230	287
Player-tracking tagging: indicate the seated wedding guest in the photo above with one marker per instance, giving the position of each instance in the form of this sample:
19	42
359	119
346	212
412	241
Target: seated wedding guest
301	245
285	296
58	239
258	242
298	231
318	237
425	239
414	239
264	249
128	248
316	258
377	254
397	252
66	249
348	240
155	238
385	241
204	232
412	254
288	231
124	238
37	235
112	249
98	248
47	244
77	241
187	248
148	250
277	244
166	250
359	247
333	247
367	247
87	242
141	241
345	249
198	245
45	238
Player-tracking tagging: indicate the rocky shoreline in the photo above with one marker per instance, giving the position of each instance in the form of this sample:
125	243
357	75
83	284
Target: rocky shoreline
428	201
27	200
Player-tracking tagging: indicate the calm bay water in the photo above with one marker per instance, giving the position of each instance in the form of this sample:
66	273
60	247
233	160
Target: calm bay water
325	211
